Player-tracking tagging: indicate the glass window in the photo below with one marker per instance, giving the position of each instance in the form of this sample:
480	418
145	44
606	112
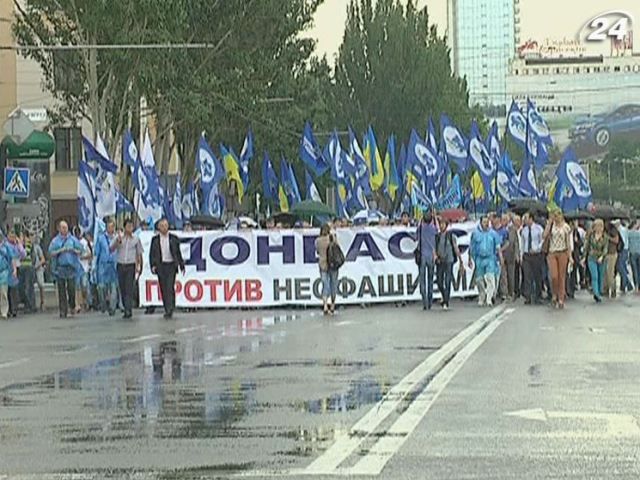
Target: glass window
68	147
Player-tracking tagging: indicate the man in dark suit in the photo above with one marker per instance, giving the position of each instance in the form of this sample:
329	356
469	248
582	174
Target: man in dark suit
165	260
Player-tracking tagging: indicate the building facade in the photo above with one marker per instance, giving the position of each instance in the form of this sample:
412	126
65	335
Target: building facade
483	35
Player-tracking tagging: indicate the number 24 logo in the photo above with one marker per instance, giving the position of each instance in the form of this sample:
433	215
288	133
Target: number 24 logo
614	24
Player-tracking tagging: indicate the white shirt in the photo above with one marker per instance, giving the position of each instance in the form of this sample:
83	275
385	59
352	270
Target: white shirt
86	263
165	249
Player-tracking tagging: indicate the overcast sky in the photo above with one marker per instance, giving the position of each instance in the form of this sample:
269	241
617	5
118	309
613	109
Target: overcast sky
540	19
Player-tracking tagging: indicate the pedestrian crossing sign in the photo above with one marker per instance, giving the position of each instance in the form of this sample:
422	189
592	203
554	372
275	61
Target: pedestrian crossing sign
16	182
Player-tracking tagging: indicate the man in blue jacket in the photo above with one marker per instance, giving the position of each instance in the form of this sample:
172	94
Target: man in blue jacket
65	251
485	253
106	271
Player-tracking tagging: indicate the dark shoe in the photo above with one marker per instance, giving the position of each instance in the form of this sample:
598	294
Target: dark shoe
168	316
63	315
527	302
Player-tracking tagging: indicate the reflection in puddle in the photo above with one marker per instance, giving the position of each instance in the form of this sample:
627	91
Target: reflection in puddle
167	390
362	392
188	388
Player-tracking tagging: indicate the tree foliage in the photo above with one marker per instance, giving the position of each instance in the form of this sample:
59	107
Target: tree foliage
393	71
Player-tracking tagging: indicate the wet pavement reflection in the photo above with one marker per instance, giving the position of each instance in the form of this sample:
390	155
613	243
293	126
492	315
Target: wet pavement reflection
189	387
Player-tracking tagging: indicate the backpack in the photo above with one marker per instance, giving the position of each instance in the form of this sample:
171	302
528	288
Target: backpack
335	256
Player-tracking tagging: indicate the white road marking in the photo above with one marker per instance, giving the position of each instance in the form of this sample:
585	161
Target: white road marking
189	329
618	425
72	352
374	462
141	339
13	363
347	444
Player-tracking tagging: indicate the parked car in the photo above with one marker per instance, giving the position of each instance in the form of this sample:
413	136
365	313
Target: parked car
599	130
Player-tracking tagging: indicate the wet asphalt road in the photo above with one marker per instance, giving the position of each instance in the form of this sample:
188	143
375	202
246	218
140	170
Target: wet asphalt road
383	392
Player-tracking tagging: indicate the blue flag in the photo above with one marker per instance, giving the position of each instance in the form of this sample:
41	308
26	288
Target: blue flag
213	203
452	197
190	203
310	152
104	180
312	191
86	199
270	182
208	166
130	154
334	154
485	164
176	203
527	182
456	146
517	124
289	183
573	191
537	124
246	154
507	180
123	205
423	163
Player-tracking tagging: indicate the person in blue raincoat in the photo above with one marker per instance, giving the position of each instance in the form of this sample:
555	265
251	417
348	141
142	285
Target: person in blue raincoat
18	254
65	251
106	272
486	255
7	270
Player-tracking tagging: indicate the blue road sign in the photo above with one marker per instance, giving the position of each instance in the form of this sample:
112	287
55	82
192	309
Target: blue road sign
16	182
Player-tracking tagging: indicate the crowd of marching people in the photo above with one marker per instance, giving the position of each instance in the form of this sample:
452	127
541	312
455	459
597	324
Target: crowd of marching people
541	259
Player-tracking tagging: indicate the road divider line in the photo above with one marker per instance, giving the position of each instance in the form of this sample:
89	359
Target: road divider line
141	339
346	445
13	363
375	460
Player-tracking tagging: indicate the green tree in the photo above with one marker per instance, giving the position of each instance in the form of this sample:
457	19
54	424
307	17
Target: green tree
393	71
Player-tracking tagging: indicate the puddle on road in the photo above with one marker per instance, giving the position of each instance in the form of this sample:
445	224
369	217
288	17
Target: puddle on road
366	391
175	390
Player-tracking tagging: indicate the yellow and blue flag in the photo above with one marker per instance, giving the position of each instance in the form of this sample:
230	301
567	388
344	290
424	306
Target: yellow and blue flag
374	160
392	181
232	168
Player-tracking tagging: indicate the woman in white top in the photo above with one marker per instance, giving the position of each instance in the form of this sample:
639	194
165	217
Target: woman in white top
558	236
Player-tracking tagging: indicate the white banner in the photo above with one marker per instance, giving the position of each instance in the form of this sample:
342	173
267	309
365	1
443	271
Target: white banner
261	268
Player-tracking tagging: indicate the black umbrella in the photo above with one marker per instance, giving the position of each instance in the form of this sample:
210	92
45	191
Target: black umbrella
578	215
610	213
286	219
524	205
209	223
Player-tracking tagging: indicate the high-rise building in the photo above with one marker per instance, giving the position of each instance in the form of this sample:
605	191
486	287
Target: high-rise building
483	35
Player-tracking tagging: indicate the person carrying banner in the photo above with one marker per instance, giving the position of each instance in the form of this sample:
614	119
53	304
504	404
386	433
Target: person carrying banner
447	252
329	262
485	255
65	251
165	260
